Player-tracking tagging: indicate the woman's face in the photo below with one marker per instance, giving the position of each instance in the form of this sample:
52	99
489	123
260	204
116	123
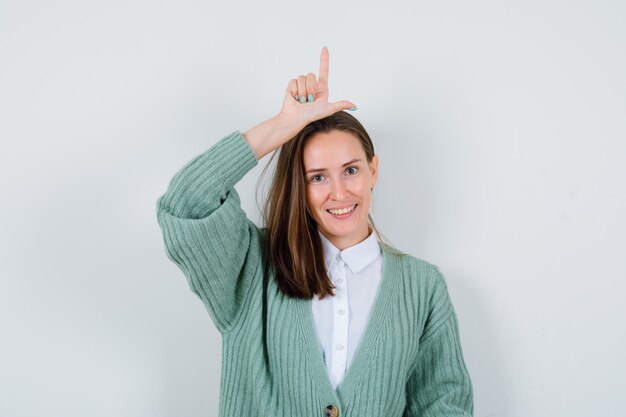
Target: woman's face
338	176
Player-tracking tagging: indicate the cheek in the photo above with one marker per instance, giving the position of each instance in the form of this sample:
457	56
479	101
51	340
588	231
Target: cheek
362	188
364	192
313	199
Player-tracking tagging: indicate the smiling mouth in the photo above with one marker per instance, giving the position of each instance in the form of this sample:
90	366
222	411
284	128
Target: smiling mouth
343	211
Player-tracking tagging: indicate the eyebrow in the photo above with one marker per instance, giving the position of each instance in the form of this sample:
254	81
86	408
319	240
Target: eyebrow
324	169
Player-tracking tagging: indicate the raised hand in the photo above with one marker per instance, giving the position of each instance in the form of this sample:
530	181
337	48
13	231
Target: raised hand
306	98
296	114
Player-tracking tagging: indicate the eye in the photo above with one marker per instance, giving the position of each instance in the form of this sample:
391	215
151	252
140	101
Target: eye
355	169
315	176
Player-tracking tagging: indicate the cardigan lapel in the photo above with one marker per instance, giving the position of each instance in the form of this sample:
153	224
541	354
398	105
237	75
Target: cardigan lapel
378	314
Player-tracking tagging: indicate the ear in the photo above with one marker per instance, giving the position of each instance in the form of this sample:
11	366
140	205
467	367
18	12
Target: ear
374	169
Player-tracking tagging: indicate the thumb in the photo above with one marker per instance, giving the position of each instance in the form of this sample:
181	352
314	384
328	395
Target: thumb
342	105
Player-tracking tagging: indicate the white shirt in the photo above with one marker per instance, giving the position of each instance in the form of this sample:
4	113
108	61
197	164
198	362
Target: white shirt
342	319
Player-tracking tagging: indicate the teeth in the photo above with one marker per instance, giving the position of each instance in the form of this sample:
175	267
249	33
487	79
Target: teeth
343	211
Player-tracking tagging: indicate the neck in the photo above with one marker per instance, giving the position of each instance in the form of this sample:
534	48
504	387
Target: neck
344	242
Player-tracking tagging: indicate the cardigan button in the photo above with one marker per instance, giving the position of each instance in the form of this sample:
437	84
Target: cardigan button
332	411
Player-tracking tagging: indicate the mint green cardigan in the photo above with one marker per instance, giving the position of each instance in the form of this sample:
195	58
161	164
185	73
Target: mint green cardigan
409	362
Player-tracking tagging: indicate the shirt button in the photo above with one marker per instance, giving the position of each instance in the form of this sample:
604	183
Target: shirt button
341	312
339	347
339	280
331	411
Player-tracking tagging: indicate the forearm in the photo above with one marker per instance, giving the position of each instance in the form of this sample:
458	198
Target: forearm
199	187
267	136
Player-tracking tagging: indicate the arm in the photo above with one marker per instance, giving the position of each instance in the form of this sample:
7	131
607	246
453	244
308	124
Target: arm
206	232
439	384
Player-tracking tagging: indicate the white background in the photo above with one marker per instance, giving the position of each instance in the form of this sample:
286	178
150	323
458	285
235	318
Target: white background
500	128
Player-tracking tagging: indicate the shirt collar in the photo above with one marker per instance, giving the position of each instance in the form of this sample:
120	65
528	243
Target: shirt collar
356	257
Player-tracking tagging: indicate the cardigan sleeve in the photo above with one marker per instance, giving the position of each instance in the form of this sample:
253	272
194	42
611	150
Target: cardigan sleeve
206	232
439	384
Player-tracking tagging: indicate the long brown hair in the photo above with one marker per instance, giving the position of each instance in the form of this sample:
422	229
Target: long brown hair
294	247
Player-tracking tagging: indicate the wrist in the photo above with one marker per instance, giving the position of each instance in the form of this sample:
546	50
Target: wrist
270	134
287	124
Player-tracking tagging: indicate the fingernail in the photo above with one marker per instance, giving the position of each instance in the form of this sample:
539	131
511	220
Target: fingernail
310	97
302	99
352	108
297	97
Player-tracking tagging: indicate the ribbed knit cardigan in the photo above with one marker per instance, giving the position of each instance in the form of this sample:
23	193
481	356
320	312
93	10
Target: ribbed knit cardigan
409	362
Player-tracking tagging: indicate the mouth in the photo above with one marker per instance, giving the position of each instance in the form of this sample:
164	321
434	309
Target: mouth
343	213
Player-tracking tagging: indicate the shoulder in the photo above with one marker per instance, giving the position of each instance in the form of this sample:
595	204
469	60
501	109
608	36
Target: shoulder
422	279
429	292
420	272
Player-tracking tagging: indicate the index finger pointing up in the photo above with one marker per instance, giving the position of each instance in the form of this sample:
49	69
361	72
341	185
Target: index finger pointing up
323	77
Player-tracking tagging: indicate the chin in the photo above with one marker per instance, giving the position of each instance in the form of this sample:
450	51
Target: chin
339	231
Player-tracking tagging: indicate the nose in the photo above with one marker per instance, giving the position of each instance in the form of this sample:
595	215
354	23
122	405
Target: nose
338	190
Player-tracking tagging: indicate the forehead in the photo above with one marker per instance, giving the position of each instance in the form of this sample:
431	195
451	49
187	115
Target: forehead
331	149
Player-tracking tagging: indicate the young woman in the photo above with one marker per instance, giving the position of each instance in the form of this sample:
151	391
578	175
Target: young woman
318	315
